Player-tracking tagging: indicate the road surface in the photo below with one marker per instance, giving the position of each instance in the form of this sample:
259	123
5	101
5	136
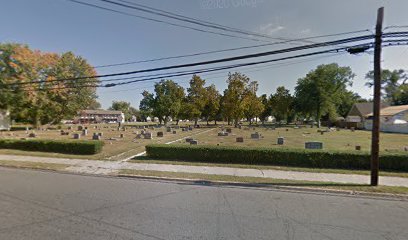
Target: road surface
45	205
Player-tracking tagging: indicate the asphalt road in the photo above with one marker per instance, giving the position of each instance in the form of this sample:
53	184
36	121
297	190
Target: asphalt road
44	205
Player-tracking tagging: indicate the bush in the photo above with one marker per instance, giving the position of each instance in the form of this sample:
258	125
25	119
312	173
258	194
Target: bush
277	157
68	147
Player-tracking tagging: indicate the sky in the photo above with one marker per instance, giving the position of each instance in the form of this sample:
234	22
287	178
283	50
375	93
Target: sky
104	37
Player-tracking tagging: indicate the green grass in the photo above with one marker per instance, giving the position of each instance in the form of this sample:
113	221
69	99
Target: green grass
113	149
343	140
143	159
267	181
33	165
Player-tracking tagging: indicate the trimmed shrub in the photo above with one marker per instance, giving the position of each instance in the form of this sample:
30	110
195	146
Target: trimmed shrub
68	147
277	157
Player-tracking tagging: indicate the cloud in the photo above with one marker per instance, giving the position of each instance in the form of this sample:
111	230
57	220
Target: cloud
270	28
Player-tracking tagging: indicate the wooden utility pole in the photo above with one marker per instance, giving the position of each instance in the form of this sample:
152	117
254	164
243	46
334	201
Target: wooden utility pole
375	138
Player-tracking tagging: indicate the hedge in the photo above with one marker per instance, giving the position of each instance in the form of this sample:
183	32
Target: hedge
68	147
277	157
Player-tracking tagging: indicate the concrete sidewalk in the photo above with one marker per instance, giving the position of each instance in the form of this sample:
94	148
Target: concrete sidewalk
113	167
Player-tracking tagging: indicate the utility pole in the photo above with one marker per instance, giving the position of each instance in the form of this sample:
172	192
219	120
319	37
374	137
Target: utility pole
375	138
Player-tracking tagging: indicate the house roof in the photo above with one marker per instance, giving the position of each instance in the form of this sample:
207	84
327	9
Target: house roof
100	111
391	111
366	108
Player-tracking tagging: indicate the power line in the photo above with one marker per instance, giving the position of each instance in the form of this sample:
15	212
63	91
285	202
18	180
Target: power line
191	20
164	22
225	50
247	70
229	59
220	68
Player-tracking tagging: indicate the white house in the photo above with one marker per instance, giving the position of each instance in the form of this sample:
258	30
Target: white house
392	119
5	122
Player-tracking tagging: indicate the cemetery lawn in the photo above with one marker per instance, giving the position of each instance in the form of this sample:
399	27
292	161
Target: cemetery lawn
115	148
265	181
343	140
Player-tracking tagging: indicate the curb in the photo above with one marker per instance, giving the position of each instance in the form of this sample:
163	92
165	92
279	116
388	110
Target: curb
260	186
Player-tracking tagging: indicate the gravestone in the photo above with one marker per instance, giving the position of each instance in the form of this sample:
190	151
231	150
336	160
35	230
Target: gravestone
229	130
313	145
189	140
77	136
32	135
174	132
160	134
406	149
122	135
281	140
193	142
100	134
358	148
168	129
255	135
80	128
85	132
352	129
148	135
69	127
96	137
222	134
190	128
240	139
177	127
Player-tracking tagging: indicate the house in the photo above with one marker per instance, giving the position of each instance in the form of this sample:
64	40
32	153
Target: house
359	113
5	122
392	119
100	116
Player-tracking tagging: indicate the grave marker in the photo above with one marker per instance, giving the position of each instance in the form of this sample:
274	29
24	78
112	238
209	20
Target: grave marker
313	145
281	140
240	139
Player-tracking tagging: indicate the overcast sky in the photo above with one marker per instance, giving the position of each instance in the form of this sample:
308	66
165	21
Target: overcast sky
104	37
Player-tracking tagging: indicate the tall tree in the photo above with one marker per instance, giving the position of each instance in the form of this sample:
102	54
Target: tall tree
251	104
233	97
267	108
196	98
281	102
146	105
35	97
394	84
166	103
320	90
212	104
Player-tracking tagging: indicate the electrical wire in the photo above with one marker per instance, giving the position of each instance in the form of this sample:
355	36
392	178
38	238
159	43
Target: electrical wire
229	59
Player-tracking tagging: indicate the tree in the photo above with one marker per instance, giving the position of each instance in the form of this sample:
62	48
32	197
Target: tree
281	102
28	89
347	100
126	108
146	105
394	84
196	98
320	90
166	103
251	104
267	108
232	108
212	104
